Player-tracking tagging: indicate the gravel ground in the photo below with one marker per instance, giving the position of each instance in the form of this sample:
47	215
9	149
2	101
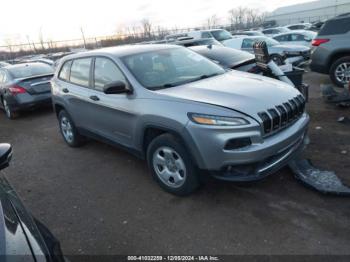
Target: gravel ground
100	200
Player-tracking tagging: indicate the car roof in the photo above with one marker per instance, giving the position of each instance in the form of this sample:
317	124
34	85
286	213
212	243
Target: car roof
22	65
295	32
121	51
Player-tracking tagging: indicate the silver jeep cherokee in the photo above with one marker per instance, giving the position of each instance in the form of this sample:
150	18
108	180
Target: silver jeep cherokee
181	112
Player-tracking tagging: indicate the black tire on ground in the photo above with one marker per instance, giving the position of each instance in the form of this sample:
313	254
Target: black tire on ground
334	66
76	140
10	114
191	180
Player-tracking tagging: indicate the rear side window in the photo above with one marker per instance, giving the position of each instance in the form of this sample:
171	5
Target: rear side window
65	70
80	71
297	37
282	38
335	27
106	72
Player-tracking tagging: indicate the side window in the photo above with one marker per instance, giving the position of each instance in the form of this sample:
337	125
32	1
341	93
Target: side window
106	72
267	31
3	77
65	69
297	37
282	38
247	43
80	71
206	35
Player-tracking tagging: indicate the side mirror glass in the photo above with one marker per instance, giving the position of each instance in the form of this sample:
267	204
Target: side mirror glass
117	87
5	155
307	39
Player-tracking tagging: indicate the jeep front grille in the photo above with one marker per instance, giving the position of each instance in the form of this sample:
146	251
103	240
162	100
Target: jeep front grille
282	115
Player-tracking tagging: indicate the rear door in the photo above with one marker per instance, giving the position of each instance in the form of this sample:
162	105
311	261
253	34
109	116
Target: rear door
75	89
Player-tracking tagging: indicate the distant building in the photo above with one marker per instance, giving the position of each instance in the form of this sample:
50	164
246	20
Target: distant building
309	12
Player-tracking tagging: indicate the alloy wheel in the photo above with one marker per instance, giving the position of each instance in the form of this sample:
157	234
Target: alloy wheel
342	73
67	129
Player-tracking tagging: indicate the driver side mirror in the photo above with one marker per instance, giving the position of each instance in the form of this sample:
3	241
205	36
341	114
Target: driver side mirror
117	87
5	155
307	39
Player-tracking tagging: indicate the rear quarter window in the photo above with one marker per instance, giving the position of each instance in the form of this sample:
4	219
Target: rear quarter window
335	27
65	71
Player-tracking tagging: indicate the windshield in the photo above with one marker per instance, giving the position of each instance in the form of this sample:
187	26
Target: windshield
170	67
29	70
221	35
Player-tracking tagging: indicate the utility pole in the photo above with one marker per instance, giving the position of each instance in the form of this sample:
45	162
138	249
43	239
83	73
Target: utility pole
82	33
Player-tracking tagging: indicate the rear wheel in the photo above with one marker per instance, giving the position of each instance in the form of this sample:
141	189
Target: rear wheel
340	71
10	114
172	166
69	131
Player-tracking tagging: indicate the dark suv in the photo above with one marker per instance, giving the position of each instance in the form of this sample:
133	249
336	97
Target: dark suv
331	50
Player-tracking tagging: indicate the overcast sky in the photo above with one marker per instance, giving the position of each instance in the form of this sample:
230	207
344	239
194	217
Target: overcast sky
62	19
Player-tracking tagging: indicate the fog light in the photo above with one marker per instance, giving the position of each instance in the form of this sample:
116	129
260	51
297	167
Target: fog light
238	143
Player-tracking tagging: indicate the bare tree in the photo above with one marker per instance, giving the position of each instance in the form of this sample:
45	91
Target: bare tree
147	28
212	22
83	35
41	39
242	17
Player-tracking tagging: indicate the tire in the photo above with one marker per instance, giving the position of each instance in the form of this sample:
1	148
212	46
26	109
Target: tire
340	66
68	130
277	59
172	166
10	114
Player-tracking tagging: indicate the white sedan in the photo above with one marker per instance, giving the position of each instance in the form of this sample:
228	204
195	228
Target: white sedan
300	37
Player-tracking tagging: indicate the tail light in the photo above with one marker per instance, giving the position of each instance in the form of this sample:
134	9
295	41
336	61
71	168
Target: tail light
15	90
319	41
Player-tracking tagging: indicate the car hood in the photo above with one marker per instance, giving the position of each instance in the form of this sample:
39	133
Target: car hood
244	92
289	48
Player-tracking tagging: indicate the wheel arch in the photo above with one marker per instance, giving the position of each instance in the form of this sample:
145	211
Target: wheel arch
151	131
337	55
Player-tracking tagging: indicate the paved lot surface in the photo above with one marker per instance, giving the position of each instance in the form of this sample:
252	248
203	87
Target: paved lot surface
101	200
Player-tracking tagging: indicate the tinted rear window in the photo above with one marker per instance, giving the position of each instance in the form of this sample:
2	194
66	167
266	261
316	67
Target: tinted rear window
30	70
335	27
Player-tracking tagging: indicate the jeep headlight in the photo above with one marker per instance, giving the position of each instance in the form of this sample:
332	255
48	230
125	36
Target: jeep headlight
217	120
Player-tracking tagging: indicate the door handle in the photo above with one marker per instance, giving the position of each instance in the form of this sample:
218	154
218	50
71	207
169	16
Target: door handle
65	90
94	98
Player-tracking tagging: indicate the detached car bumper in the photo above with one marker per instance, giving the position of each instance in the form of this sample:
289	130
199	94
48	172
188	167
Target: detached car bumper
262	157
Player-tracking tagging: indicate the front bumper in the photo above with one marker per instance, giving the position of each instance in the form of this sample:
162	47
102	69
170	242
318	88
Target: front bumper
263	157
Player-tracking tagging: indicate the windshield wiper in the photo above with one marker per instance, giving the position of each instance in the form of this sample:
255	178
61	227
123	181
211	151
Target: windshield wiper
207	76
168	85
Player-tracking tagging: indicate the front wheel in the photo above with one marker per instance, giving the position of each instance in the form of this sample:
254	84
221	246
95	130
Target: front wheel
69	131
172	166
